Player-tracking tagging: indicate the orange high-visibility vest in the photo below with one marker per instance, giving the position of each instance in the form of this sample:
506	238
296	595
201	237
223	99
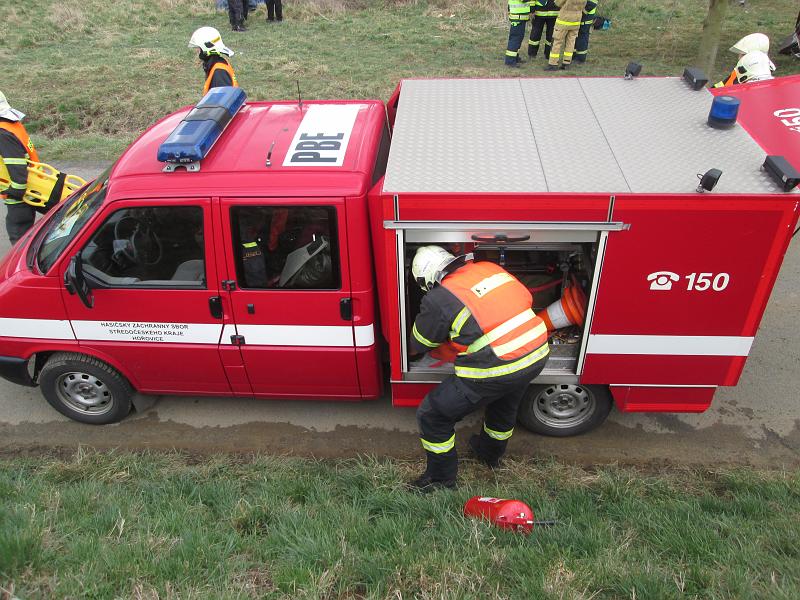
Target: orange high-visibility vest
17	129
502	307
216	66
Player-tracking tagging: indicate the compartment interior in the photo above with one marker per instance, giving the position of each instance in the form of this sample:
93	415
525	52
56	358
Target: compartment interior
546	268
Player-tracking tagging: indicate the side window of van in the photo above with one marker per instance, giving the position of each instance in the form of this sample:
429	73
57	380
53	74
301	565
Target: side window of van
286	247
150	246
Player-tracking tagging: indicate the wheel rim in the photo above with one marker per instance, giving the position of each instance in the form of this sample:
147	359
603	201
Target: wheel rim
563	406
84	393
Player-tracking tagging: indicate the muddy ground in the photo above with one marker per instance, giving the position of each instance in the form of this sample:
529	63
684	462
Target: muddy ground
756	423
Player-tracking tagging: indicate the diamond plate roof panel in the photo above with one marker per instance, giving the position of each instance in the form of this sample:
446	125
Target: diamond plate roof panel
605	135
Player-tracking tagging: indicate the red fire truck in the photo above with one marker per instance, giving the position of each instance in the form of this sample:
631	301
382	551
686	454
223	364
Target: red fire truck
267	253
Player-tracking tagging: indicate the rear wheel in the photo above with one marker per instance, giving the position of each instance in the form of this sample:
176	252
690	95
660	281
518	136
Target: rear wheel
85	389
564	409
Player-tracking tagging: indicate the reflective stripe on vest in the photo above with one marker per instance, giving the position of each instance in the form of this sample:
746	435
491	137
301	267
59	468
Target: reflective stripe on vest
216	66
501	306
519	10
17	129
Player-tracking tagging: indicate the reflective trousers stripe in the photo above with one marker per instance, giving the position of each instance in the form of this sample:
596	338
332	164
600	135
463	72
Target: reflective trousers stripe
517	365
511	53
568	23
498	435
422	339
441	447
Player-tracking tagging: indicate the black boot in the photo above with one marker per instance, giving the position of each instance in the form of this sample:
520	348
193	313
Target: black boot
440	473
486	450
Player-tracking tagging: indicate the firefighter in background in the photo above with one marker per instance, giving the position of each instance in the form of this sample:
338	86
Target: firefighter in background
582	41
754	66
485	312
567	24
219	71
16	149
544	19
274	11
237	14
750	43
519	13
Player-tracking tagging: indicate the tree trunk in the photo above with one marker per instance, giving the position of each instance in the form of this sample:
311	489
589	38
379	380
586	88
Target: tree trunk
712	29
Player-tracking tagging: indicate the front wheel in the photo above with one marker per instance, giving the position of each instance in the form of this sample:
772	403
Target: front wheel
85	389
564	409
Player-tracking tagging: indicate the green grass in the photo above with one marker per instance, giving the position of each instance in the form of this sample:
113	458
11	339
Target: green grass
123	525
93	75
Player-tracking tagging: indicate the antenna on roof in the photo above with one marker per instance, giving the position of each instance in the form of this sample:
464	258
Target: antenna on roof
269	154
299	98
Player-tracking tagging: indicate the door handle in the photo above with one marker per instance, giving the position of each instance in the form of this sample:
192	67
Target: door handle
346	308
215	306
500	238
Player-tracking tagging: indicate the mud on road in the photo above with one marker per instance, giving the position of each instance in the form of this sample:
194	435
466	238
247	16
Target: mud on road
756	423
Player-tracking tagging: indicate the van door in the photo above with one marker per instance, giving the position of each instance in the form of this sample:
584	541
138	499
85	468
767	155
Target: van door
156	314
289	285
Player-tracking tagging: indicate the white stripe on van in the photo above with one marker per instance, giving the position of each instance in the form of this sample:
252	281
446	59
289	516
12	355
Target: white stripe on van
670	345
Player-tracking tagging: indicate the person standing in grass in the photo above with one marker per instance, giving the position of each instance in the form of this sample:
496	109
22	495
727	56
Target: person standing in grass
544	19
213	53
485	312
274	11
567	24
582	41
16	148
519	13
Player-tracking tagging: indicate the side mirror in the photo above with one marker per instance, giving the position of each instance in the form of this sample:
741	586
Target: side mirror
76	283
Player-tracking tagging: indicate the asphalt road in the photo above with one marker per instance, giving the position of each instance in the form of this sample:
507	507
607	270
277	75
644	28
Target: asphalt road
757	422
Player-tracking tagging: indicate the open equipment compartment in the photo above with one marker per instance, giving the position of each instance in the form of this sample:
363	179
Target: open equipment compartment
546	261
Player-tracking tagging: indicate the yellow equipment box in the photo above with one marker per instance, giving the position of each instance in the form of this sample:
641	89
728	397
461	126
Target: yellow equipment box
42	178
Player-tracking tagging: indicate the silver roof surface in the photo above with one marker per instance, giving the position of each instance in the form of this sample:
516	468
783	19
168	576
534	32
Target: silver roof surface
646	135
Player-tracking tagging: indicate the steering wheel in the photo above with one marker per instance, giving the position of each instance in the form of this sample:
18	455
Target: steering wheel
136	241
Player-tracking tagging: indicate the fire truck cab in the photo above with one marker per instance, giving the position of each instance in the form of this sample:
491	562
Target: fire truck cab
276	262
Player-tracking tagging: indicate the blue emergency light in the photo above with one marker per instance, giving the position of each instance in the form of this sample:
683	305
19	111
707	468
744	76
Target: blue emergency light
194	136
723	112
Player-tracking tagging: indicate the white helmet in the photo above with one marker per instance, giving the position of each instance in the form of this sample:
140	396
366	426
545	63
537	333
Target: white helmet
8	113
209	41
753	66
428	265
749	43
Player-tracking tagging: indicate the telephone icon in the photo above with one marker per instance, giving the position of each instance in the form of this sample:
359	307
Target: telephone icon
662	280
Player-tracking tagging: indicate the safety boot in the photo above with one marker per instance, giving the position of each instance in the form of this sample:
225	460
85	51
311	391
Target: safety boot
485	452
440	473
533	51
551	68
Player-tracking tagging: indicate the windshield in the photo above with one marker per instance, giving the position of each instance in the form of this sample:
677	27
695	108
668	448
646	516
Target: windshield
69	219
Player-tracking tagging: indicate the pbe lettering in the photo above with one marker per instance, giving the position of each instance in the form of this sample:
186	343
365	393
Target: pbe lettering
312	147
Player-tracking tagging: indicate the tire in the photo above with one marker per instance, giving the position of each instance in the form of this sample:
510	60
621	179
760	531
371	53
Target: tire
85	389
562	409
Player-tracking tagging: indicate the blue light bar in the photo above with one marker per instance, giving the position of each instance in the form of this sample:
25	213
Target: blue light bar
194	136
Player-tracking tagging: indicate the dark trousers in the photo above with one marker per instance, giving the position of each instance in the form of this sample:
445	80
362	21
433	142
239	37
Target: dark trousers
19	219
274	10
539	25
515	36
237	11
457	397
582	42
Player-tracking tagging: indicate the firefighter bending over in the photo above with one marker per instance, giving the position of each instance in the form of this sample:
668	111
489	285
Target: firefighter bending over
755	42
486	312
219	71
16	149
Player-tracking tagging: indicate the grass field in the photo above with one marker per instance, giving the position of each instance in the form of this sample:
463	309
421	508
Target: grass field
94	74
155	526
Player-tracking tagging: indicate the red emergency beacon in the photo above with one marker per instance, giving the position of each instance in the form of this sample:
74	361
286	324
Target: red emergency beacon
505	514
